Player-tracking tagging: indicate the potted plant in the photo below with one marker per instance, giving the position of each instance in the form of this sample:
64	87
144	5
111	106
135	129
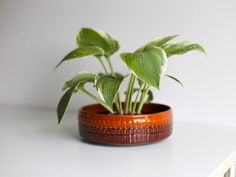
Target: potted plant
111	121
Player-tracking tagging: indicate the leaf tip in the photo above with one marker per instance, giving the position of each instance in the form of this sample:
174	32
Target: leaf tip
204	51
57	65
200	48
53	69
59	117
175	35
64	87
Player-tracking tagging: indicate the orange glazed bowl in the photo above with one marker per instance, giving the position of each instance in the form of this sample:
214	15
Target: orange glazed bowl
98	126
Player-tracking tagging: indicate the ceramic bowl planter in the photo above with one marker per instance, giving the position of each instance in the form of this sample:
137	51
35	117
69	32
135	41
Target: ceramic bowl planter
97	125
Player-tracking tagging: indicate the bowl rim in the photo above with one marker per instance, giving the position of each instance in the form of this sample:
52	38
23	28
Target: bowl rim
167	111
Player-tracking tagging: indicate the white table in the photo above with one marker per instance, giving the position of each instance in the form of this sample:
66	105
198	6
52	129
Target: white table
32	145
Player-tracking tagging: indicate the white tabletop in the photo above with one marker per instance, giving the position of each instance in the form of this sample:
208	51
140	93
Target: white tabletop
32	145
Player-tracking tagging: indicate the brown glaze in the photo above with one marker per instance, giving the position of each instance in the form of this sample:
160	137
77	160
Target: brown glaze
97	125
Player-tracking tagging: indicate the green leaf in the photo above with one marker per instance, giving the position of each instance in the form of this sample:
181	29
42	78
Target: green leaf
108	87
82	52
149	94
93	37
182	48
148	65
80	79
175	79
114	44
158	42
63	103
101	102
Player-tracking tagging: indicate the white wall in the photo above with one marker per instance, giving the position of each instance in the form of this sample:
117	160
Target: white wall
36	34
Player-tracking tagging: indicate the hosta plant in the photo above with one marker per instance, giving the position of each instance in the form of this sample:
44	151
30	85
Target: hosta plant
146	65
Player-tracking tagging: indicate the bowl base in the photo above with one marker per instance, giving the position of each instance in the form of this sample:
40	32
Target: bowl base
136	136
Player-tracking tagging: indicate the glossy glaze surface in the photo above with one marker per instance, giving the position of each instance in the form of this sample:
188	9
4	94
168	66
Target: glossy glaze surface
96	125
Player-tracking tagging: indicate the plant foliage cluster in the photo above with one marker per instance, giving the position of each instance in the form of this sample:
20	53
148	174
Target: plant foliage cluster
147	66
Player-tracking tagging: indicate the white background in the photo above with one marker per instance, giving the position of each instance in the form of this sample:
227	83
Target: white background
35	35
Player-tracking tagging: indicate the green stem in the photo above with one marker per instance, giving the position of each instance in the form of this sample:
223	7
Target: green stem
103	65
136	98
142	98
96	99
110	65
117	101
117	105
129	93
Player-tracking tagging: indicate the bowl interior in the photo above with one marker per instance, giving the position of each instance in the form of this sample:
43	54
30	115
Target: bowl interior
147	108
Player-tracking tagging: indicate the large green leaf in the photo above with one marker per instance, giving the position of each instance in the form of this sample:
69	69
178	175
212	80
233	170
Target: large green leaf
92	37
108	87
175	79
74	84
158	42
63	103
80	52
182	48
148	65
80	78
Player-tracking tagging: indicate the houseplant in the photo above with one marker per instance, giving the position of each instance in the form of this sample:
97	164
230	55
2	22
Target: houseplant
111	121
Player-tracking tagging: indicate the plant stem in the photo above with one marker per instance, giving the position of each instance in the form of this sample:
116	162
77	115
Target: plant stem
117	106
120	104
110	65
117	100
131	94
103	65
128	97
136	98
142	98
96	99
